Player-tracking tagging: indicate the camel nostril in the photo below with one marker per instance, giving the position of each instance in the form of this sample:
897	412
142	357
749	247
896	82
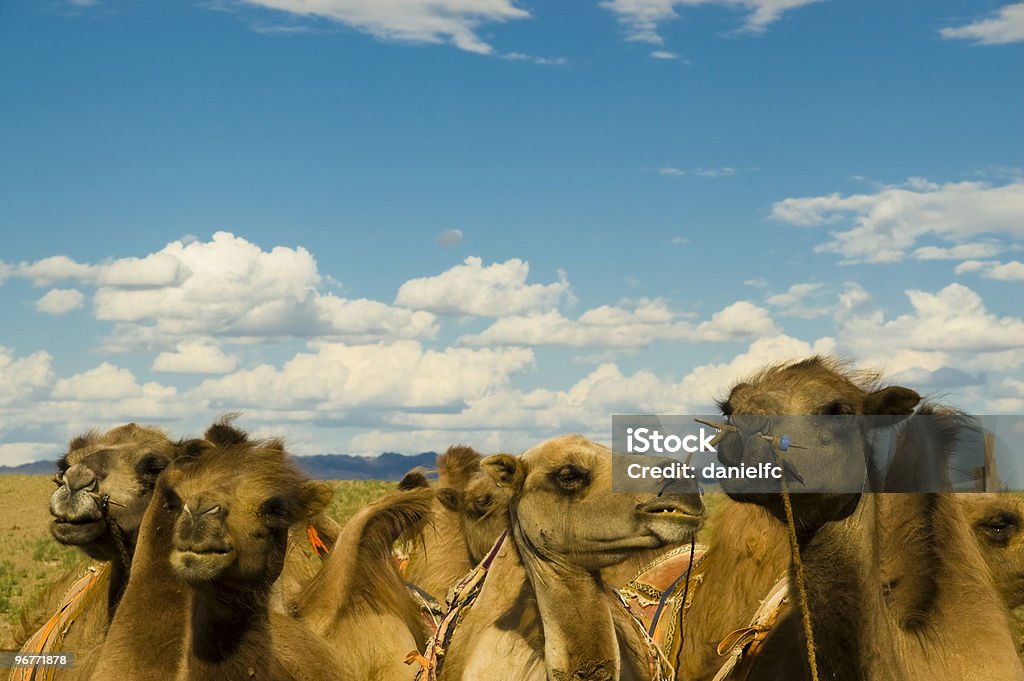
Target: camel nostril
78	478
215	509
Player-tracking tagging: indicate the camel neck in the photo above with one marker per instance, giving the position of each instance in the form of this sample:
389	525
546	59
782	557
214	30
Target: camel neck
579	631
227	629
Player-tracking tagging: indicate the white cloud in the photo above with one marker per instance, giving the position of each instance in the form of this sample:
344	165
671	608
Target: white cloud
800	300
22	379
56	268
60	301
885	225
449	237
711	173
492	291
399	375
961	252
1005	26
993	269
642	18
588	404
443	21
5	271
950	328
633	324
17	453
104	382
199	356
664	54
225	287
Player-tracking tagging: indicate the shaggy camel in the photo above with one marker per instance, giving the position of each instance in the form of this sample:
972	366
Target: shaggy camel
883	601
438	556
543	611
750	551
359	602
215	539
104	484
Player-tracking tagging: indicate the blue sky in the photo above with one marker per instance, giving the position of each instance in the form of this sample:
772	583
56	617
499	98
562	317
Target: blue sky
397	226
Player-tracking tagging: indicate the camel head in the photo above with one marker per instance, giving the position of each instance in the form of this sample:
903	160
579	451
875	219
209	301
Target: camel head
563	509
233	508
821	406
484	508
112	473
996	520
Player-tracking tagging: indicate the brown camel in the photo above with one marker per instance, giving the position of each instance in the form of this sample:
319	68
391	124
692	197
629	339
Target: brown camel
359	602
896	587
998	520
155	586
543	611
104	484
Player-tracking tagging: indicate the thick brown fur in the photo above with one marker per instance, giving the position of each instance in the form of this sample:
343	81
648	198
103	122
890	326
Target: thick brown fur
897	588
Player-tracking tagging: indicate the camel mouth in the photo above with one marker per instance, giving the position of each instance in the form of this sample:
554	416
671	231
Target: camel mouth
669	509
79	530
194	566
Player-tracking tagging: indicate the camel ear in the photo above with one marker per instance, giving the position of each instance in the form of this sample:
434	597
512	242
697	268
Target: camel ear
505	470
316	496
449	498
893	401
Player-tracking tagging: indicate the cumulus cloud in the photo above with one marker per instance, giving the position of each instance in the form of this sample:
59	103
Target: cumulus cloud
199	356
56	268
633	324
882	227
948	329
523	417
993	269
449	237
225	287
1005	26
60	301
25	378
485	291
399	375
451	21
642	18
104	382
800	300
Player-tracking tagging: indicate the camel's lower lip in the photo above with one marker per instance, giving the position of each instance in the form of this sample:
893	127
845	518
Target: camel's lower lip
77	531
200	566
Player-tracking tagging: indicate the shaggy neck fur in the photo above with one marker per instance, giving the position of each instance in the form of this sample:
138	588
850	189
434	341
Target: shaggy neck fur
228	634
152	588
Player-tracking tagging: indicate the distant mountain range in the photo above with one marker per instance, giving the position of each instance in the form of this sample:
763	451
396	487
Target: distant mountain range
387	466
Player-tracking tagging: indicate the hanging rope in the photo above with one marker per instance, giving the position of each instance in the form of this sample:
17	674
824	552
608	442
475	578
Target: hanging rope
801	582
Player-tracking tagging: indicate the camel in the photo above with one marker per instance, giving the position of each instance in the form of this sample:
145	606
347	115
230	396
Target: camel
543	611
359	602
883	600
214	541
749	552
104	484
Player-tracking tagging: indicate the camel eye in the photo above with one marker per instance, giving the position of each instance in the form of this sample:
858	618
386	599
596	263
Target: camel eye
172	502
484	502
572	478
837	408
1000	528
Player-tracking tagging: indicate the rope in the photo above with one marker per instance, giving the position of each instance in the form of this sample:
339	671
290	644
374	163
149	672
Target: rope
801	582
